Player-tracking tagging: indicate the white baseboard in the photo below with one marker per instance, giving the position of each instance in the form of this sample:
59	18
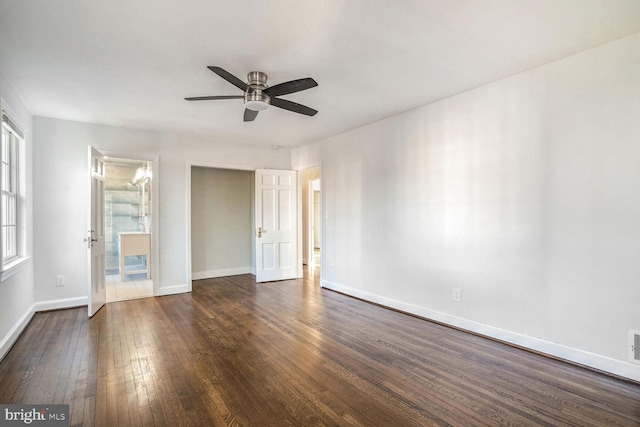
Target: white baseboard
14	333
592	360
220	273
596	361
172	290
60	304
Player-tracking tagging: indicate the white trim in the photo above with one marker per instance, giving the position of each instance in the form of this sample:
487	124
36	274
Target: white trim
213	165
172	290
218	165
300	256
59	304
15	118
314	185
14	333
187	204
13	267
22	201
592	360
303	256
199	275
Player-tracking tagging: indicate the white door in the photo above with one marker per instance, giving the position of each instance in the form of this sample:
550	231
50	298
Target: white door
95	233
276	225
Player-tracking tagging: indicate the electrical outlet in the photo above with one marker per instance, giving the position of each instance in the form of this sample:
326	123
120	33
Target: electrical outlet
456	294
59	280
634	346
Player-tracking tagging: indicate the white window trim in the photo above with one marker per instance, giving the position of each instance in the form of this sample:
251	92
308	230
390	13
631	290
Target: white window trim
19	263
14	266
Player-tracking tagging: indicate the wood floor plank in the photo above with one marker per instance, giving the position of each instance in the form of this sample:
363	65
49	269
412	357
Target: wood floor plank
234	352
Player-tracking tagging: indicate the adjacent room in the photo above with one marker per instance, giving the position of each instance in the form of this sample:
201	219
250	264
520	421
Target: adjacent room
321	213
127	223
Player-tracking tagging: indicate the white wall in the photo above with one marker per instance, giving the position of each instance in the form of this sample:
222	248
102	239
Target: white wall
16	292
221	222
60	159
524	193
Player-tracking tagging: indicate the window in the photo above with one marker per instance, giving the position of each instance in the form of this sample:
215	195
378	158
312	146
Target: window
12	138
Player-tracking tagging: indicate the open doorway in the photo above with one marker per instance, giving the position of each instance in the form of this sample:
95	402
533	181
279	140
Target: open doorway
128	224
221	222
311	219
315	225
242	221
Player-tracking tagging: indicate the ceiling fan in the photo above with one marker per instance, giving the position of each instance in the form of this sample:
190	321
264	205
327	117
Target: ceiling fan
258	95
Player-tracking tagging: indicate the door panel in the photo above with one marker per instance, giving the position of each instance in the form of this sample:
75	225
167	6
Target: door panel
276	225
95	235
285	255
285	209
268	257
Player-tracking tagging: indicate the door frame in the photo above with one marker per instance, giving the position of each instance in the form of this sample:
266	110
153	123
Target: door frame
155	206
313	220
238	166
212	165
301	247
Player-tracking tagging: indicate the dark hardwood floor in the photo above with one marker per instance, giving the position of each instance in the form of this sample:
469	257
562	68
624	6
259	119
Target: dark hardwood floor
234	352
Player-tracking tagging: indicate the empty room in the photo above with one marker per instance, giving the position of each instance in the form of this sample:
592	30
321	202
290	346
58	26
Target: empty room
334	212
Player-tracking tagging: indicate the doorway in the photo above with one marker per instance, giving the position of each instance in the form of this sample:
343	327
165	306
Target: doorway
128	219
221	221
216	209
310	184
315	225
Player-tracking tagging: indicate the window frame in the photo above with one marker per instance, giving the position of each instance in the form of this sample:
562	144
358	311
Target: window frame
10	194
16	190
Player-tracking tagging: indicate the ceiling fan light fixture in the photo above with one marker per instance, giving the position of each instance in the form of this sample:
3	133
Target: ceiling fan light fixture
256	100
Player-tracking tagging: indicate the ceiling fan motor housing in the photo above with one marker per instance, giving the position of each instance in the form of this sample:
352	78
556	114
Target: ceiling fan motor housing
254	98
257	80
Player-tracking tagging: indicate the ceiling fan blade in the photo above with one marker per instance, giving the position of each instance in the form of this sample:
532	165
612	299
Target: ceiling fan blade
249	115
207	98
229	77
293	106
291	87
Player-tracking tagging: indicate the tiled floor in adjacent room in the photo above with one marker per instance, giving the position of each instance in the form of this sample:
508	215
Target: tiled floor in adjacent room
134	286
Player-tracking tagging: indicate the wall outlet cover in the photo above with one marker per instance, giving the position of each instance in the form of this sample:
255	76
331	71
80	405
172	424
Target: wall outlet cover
634	346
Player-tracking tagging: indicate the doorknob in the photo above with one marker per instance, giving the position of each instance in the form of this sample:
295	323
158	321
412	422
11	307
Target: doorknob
259	231
89	241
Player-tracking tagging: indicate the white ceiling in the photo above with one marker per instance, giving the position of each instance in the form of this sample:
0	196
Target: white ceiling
131	63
